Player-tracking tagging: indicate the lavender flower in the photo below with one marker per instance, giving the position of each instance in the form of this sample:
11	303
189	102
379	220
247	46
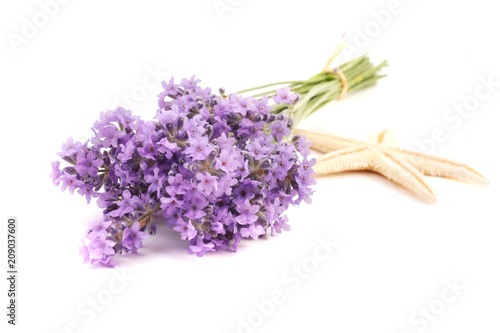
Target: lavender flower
283	95
215	170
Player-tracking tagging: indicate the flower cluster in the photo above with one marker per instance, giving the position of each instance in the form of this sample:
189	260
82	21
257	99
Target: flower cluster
215	169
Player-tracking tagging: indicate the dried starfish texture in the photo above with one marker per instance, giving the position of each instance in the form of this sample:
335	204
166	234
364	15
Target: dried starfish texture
380	154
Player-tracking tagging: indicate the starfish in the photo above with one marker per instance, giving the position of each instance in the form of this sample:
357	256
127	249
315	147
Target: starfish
380	154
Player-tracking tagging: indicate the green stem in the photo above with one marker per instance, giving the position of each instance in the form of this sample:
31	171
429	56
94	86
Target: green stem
323	88
268	85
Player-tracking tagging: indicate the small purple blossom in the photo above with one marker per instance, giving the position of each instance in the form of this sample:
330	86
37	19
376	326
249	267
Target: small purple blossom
69	181
156	181
84	252
199	148
195	206
253	231
99	225
247	212
280	130
127	204
70	148
186	229
132	237
284	95
87	163
99	246
200	247
226	161
257	150
207	183
55	175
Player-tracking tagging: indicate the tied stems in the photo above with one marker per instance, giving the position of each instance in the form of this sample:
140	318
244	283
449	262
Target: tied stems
324	87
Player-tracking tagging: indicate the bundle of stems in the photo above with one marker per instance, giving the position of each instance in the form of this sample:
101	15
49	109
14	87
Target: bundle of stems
320	89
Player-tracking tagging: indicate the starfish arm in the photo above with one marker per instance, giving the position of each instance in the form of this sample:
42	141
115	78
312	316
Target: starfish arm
440	167
380	154
401	172
348	159
326	143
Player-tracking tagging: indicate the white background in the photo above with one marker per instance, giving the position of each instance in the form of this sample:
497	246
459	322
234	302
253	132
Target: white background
396	252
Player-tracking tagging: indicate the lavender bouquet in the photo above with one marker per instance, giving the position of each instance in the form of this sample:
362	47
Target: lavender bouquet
214	168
